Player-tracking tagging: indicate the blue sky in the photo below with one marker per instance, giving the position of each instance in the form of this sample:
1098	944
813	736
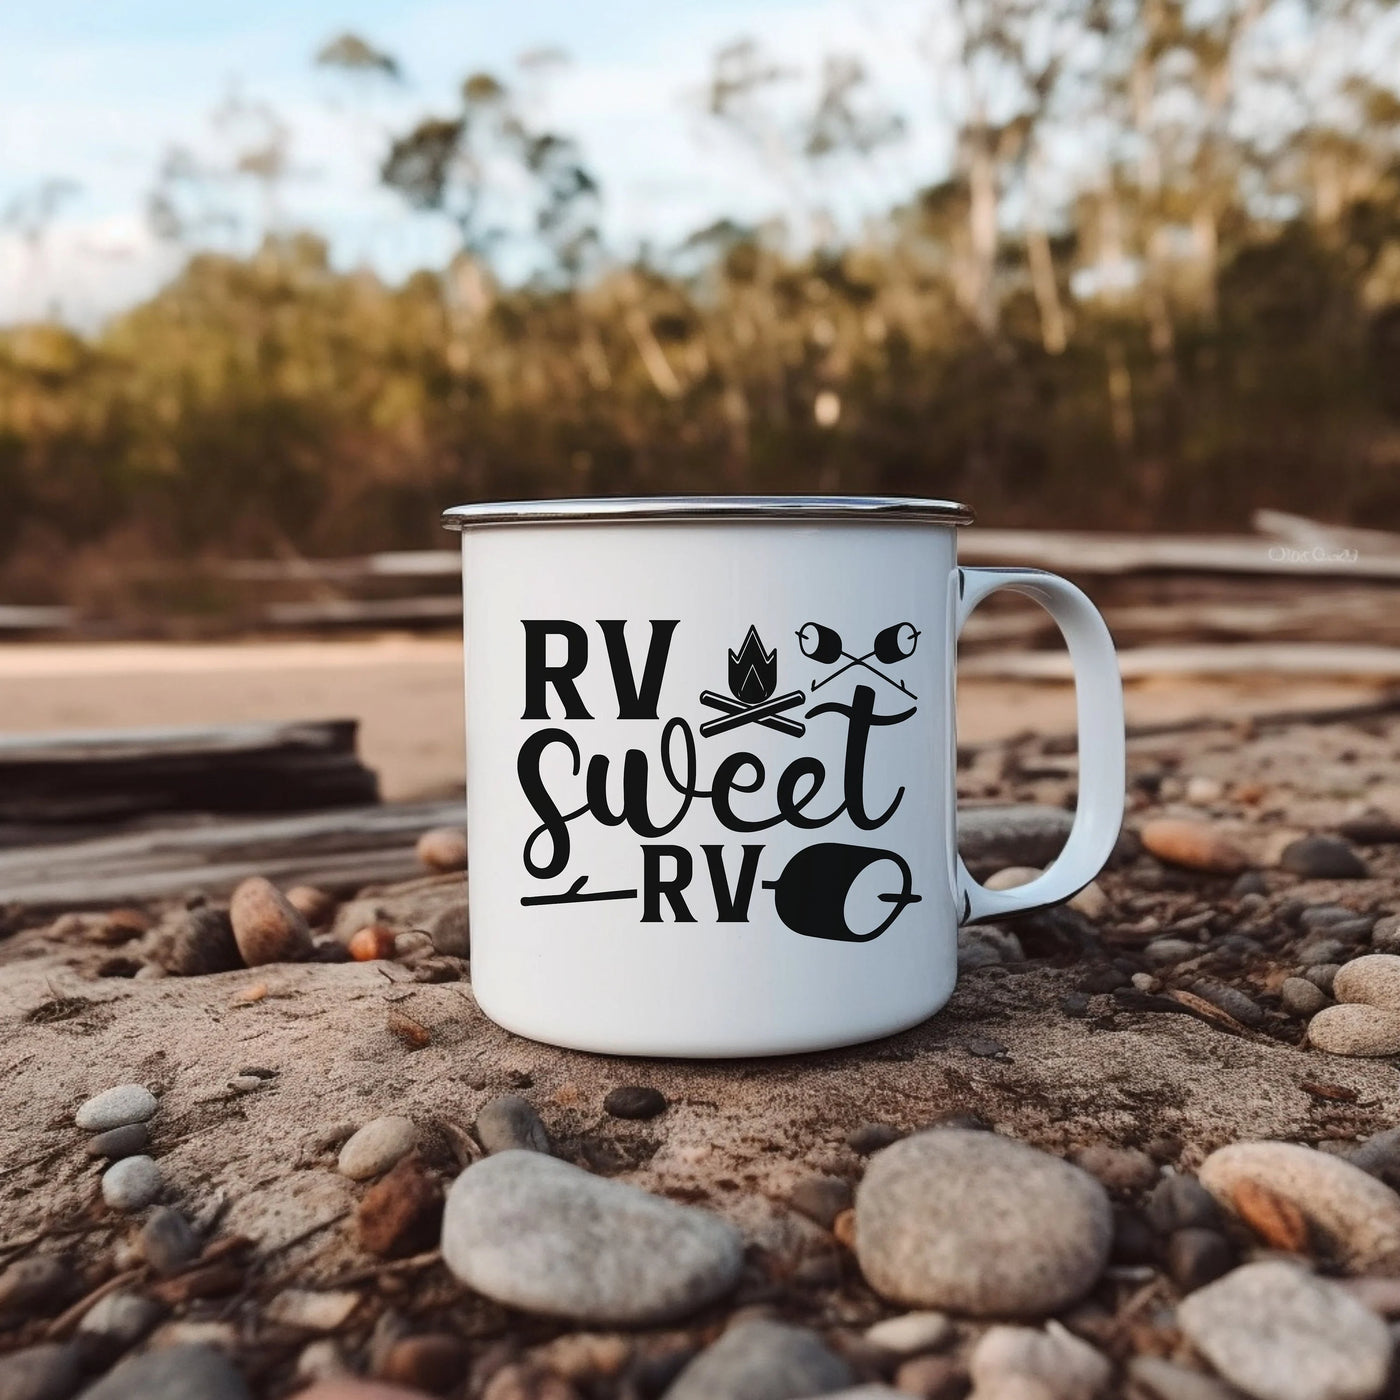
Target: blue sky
96	94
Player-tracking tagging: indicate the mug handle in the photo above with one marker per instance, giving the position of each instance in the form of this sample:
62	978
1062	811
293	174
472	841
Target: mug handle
1098	691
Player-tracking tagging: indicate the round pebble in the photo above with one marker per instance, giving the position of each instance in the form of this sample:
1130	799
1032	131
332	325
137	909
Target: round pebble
1354	1217
1181	1203
510	1123
1350	1029
176	1373
400	1214
316	906
50	1371
1125	1169
1193	845
199	943
1385	934
1091	901
443	849
634	1101
432	1361
1162	952
762	1360
1068	1368
1323	858
1319	952
536	1233
821	1198
980	1224
124	1317
115	1108
372	943
125	1141
1012	877
1323	975
1299	997
1279	1333
376	1147
1319	916
266	927
1373	979
1379	1156
911	1333
32	1282
131	1184
871	1137
166	1241
1198	1257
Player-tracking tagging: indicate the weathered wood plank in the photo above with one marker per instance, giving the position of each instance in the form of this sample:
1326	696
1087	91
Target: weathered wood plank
339	850
110	774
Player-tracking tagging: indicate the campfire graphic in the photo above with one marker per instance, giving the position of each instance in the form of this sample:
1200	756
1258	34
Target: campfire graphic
892	645
753	677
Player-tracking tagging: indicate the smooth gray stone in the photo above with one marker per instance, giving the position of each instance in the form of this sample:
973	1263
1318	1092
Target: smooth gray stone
510	1122
1020	834
129	1140
177	1373
51	1371
166	1241
1279	1333
131	1184
115	1107
762	1360
536	1233
980	1224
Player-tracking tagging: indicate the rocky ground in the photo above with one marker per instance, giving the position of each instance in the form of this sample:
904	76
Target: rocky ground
1148	1148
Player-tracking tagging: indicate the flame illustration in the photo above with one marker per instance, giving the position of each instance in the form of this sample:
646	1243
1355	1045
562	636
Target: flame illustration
753	672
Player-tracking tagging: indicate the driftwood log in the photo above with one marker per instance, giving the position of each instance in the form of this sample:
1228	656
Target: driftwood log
341	851
114	775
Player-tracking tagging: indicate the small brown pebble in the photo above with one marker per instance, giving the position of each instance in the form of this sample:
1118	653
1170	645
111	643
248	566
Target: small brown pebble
400	1213
844	1228
267	928
1124	1169
1180	1202
199	942
166	1241
413	1034
31	1283
372	943
444	849
121	926
932	1378
821	1198
316	906
634	1101
434	1362
1275	1219
129	1140
1198	1257
1193	846
871	1137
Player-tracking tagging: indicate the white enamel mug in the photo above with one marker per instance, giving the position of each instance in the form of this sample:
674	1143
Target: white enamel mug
711	767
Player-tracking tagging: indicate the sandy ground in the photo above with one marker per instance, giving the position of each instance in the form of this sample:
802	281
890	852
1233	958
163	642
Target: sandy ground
407	693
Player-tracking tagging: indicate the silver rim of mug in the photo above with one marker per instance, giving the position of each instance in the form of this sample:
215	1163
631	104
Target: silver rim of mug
593	510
